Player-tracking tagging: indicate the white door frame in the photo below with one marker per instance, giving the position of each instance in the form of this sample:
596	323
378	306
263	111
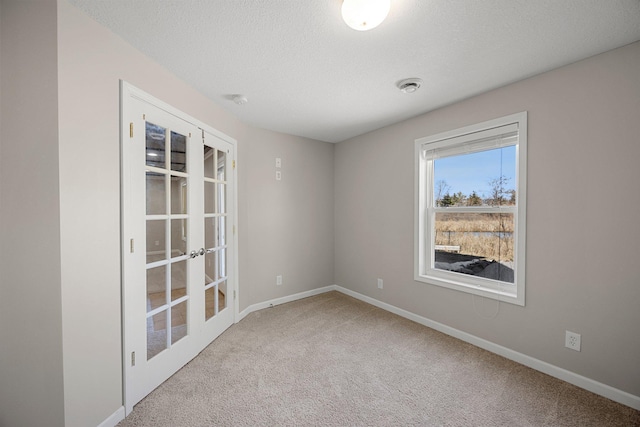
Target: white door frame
129	92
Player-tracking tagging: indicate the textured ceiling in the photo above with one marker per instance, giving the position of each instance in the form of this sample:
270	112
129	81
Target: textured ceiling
306	73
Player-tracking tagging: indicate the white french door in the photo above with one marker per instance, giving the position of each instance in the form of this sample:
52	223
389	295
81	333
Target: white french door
178	195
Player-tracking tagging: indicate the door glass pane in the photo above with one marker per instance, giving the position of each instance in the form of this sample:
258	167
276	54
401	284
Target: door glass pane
156	287
209	233
210	268
178	279
178	195
156	241
156	193
222	198
222	238
155	137
156	334
178	152
209	197
178	322
178	237
222	292
211	302
222	262
209	162
222	165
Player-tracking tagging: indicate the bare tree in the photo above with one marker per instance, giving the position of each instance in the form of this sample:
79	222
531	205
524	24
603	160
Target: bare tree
501	195
499	191
441	189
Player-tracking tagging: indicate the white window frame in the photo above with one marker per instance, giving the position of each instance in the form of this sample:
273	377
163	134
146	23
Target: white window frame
424	249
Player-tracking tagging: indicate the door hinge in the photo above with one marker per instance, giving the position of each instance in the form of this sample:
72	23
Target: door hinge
189	134
133	358
131	245
234	294
233	163
131	130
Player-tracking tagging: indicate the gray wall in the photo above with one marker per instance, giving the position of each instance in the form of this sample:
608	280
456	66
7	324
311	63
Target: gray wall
31	381
59	179
288	224
60	198
582	236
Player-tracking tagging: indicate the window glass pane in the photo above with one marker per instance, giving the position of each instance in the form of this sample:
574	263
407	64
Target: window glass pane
484	178
156	194
155	145
478	244
178	152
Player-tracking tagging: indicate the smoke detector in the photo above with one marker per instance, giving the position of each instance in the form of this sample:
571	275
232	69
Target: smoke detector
409	85
240	99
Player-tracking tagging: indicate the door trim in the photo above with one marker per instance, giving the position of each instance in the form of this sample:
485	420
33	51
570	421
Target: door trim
129	92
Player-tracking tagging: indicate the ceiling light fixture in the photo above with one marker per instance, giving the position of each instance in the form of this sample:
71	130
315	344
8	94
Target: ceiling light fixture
363	15
409	85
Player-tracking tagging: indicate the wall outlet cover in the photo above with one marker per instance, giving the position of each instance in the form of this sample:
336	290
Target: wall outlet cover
572	340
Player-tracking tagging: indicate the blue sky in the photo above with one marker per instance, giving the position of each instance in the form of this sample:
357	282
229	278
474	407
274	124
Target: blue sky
474	171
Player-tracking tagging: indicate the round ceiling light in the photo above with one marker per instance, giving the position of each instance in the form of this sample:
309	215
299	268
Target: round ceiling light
363	15
409	85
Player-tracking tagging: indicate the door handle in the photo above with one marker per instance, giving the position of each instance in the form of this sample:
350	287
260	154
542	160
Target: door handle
194	253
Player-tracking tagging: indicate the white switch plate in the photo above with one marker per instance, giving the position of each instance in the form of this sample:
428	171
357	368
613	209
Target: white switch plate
278	176
278	162
380	283
278	280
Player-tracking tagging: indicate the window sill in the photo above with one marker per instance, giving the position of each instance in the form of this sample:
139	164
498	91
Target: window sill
505	293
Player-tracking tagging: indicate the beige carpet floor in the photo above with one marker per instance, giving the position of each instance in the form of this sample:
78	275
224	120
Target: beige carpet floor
331	360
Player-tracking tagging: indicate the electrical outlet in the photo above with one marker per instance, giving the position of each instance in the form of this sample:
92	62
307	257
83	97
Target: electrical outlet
278	162
572	340
278	280
380	283
278	175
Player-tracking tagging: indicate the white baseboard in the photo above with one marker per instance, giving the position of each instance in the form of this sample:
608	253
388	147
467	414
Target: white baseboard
283	300
547	368
114	418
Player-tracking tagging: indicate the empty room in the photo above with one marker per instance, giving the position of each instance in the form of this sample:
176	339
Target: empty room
337	212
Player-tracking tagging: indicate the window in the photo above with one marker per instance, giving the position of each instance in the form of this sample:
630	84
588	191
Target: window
470	209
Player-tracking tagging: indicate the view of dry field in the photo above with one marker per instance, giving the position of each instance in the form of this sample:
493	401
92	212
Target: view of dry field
485	235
